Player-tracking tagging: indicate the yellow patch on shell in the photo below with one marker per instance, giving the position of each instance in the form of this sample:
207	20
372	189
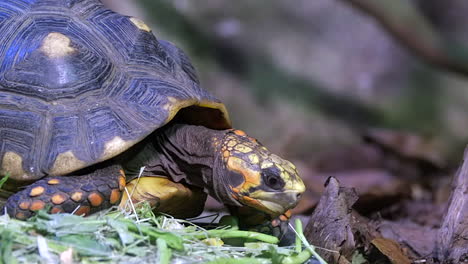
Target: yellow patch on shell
173	106
254	159
36	191
66	162
56	45
242	148
114	147
12	163
140	24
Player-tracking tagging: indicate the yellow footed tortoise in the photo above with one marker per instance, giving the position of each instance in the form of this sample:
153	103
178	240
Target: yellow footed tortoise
89	96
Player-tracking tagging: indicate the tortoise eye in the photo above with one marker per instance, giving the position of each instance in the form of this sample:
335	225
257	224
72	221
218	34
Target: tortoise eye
272	180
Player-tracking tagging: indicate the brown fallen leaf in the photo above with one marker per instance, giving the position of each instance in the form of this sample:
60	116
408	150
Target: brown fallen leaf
391	250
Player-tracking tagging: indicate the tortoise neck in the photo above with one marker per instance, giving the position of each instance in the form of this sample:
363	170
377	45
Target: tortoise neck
188	153
183	153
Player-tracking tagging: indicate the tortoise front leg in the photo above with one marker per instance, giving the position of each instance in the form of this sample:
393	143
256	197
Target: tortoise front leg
81	195
165	196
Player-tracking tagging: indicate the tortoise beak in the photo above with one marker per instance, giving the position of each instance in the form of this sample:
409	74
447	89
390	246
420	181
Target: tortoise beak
277	203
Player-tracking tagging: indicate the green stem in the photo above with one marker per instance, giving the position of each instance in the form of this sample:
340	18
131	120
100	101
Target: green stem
237	234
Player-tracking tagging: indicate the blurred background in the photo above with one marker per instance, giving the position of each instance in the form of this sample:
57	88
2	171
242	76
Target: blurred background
310	78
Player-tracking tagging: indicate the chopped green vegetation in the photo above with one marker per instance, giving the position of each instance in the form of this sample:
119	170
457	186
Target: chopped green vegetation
118	237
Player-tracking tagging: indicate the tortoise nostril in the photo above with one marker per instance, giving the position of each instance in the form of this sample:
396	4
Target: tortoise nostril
298	196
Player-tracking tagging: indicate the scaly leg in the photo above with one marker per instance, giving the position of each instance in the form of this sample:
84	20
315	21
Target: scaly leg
83	195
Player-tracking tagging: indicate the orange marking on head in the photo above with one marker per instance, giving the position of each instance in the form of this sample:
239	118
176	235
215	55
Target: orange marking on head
288	213
25	205
283	218
251	178
95	199
56	210
58	198
20	216
83	210
53	181
240	133
253	139
36	191
37	205
77	196
115	196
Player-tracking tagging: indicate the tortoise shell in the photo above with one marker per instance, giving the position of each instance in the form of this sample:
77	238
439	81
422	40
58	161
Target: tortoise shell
80	84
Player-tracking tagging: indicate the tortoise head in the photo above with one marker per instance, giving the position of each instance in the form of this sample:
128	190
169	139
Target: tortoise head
258	178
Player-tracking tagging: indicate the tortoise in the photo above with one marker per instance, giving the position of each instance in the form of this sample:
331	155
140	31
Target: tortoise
91	103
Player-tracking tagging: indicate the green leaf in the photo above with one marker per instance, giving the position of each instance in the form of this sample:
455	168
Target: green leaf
125	236
164	252
6	246
85	245
4	179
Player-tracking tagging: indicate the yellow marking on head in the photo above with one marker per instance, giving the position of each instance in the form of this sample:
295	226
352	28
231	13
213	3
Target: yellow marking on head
140	24
231	143
66	162
36	191
285	176
12	163
266	164
56	45
280	168
254	159
243	148
251	177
